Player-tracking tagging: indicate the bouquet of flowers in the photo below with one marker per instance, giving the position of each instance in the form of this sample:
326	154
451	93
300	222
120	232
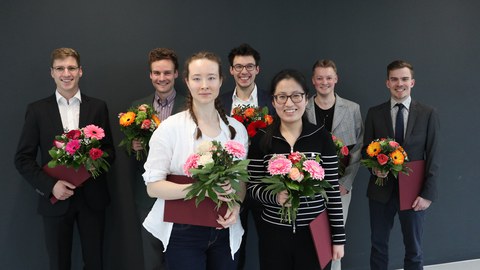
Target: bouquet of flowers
386	155
253	118
138	123
80	147
342	153
214	165
299	176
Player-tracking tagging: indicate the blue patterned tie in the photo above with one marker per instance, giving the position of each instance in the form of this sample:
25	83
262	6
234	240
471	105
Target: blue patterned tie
399	124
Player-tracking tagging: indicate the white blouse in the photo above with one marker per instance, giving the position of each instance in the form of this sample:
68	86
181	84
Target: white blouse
170	145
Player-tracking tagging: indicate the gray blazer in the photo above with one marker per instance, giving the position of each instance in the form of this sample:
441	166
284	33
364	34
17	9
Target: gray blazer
420	143
347	126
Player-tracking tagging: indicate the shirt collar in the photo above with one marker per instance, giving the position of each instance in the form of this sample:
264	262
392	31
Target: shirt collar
60	98
250	99
405	103
166	101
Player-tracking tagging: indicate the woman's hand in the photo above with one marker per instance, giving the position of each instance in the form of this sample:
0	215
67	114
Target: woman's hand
337	252
227	191
282	198
230	217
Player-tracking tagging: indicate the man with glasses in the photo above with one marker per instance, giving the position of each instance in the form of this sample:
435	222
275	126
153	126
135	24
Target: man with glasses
163	64
66	109
343	119
244	67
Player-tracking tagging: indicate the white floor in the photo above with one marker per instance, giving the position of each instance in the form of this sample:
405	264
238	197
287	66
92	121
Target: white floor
462	265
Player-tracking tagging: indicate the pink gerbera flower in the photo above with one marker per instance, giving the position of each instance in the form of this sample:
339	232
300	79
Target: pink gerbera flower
315	170
92	131
72	146
235	149
279	165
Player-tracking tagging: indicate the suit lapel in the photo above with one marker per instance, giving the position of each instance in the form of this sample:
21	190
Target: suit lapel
84	109
388	119
54	113
338	114
412	116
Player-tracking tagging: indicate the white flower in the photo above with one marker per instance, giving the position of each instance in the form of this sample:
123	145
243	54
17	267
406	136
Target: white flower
204	147
205	159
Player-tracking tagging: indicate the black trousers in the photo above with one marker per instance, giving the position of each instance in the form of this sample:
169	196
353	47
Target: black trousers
281	249
59	234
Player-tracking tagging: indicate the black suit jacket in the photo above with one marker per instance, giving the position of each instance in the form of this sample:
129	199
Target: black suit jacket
420	143
42	124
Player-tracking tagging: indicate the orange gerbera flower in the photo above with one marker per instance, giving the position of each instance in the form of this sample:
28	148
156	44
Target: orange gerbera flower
127	119
268	119
155	119
397	157
373	149
250	112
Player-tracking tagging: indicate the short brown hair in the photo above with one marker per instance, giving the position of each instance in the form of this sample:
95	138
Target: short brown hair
158	54
62	53
324	63
398	64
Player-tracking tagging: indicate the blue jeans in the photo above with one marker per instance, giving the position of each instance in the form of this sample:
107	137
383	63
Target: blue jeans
199	248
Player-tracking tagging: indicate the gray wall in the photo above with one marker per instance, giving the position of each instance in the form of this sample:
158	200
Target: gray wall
439	37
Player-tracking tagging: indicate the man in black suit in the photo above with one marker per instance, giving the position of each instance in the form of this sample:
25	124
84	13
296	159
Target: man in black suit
165	101
419	135
66	109
244	68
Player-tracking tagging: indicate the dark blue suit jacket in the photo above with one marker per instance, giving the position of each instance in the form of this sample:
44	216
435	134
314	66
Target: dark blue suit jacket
264	99
420	143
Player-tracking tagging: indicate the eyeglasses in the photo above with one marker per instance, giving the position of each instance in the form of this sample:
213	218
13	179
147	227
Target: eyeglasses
282	99
248	67
61	69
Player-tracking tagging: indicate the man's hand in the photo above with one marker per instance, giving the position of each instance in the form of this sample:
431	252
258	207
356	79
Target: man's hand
137	145
380	173
421	204
63	190
343	190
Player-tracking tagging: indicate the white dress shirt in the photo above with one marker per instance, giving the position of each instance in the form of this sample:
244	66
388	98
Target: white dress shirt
394	109
69	110
236	101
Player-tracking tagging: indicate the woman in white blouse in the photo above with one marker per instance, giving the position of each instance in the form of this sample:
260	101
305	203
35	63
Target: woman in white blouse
191	246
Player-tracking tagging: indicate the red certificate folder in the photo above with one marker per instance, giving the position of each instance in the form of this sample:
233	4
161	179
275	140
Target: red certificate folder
186	212
322	238
75	177
410	185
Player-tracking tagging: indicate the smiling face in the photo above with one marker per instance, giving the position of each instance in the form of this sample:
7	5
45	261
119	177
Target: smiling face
163	75
66	73
289	112
244	78
400	83
324	80
204	80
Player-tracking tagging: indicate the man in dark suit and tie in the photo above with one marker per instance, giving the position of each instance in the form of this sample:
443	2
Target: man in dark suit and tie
165	101
66	109
416	127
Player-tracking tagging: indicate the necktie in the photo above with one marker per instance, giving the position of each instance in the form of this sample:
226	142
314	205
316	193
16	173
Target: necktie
399	124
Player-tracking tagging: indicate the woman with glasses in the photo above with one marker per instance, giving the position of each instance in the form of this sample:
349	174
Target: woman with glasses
283	245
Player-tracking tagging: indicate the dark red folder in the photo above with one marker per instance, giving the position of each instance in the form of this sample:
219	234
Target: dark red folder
75	177
322	238
186	212
410	185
